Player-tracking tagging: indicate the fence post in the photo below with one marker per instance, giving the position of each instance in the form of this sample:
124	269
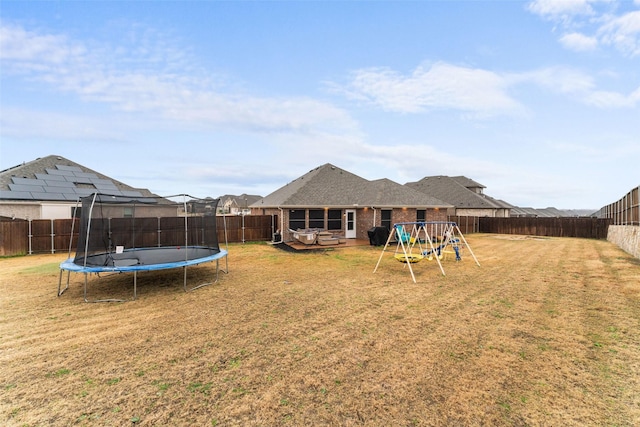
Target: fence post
53	238
29	237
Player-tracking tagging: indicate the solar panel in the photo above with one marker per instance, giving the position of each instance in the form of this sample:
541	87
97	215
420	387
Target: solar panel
49	177
29	188
18	195
62	190
26	181
62	183
53	183
57	172
101	181
85	175
68	168
103	184
84	191
74	197
79	180
47	196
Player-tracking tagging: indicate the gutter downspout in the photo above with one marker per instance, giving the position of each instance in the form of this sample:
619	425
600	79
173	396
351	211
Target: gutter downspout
281	225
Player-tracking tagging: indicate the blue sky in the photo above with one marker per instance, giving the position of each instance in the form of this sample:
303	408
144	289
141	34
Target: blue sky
537	100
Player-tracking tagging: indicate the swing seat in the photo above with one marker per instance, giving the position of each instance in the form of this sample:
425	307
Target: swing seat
403	236
412	258
447	253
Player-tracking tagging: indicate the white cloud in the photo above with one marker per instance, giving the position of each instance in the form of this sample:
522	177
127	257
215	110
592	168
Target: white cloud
578	85
19	46
153	78
623	32
579	42
561	9
604	149
480	93
607	99
29	124
439	86
559	79
601	23
424	160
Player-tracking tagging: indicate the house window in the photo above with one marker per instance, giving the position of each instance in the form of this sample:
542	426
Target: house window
334	219
76	212
385	218
316	218
128	212
296	219
421	215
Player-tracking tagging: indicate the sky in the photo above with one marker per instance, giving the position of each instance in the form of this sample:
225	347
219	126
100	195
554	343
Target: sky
539	101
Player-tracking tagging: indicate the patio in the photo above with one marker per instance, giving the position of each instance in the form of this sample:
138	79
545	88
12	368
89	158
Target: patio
347	243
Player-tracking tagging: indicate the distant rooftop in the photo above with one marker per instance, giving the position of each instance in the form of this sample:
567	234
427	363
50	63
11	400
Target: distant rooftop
54	178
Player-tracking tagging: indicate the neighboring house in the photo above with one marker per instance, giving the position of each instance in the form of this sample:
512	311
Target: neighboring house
49	188
201	207
521	212
466	195
333	199
550	212
237	205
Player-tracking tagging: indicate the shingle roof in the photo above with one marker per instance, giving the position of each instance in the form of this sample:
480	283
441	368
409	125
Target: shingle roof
549	212
500	203
523	211
54	178
455	191
330	186
241	201
537	213
467	182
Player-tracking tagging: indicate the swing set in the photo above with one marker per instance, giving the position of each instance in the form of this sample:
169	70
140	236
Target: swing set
416	241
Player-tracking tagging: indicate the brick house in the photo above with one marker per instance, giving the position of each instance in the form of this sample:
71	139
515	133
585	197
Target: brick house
334	199
466	195
237	205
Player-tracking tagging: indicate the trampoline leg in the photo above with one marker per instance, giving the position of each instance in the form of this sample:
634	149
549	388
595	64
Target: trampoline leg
203	284
135	284
60	292
85	288
110	299
184	269
226	269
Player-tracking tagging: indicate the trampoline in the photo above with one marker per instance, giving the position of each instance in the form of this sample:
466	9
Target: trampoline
113	238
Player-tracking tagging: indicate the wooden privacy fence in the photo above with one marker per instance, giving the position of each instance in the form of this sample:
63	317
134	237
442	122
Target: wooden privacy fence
52	236
625	211
591	228
19	237
248	228
466	224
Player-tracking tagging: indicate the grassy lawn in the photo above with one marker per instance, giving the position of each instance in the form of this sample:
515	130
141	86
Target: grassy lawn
544	332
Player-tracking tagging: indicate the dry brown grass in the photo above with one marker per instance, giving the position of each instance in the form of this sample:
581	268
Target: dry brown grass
545	332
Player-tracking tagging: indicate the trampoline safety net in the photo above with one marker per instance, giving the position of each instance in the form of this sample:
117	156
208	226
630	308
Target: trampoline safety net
116	231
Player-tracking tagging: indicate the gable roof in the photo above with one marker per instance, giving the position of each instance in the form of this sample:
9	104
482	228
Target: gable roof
467	182
241	200
500	203
330	186
456	191
54	178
